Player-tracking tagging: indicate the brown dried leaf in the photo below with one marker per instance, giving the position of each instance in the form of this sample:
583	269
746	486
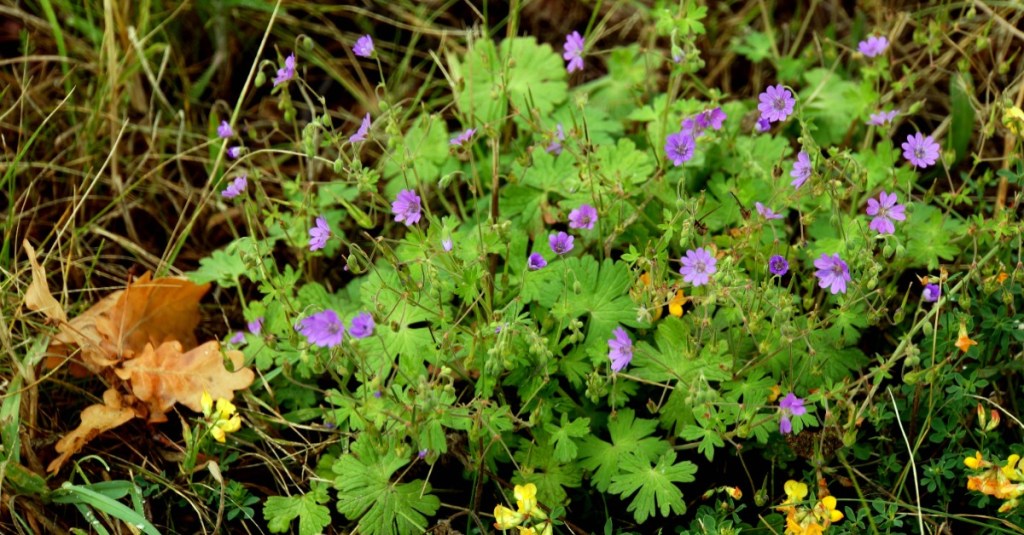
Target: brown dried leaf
166	375
96	419
38	296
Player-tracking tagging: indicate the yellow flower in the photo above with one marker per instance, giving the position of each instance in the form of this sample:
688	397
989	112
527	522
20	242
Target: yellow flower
964	342
773	393
1013	118
526	531
224	420
795	491
207	403
526	498
828	504
675	306
974	462
1010	470
506	518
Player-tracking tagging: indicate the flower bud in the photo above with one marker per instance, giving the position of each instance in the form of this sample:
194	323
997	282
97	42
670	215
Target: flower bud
993	420
261	79
982	417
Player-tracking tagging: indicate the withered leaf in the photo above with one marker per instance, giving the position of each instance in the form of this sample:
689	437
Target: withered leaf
166	375
38	296
96	419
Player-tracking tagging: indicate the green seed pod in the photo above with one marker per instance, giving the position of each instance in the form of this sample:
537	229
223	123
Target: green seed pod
927	328
260	79
888	251
339	165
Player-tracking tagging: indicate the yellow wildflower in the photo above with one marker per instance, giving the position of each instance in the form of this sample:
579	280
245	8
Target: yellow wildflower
506	518
773	393
1013	118
207	403
675	306
828	507
975	462
963	341
526	498
1010	470
795	491
526	531
224	420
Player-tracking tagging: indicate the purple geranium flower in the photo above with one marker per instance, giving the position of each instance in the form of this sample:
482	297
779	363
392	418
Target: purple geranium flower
364	128
766	212
583	217
318	235
224	131
777	265
463	137
931	292
406	207
698	266
763	125
560	243
801	170
255	326
679	147
362	325
556	144
322	329
535	262
235	188
790	405
885	209
287	72
620	349
363	47
873	46
447	244
776	103
920	151
234	152
883	117
713	118
238	338
574	51
832	273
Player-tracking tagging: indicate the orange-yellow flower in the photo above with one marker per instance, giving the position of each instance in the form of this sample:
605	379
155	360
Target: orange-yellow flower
506	518
526	498
828	507
974	462
675	306
964	342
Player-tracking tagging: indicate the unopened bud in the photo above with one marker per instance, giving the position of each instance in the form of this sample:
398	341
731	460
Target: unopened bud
982	417
993	421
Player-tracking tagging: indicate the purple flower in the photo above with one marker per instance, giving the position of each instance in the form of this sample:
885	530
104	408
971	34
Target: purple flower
931	292
363	47
364	129
583	217
763	125
573	51
620	349
287	72
235	188
377	394
238	338
777	265
362	325
234	152
447	245
698	266
318	235
885	209
255	326
422	454
776	103
790	405
714	118
801	170
832	273
406	207
463	137
322	329
883	117
560	243
873	46
766	212
224	131
679	147
535	262
556	144
921	151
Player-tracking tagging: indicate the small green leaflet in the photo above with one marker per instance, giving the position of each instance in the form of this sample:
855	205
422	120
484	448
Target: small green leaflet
630	436
654	486
279	511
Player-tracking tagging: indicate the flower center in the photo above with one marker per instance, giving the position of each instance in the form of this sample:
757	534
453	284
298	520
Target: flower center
837	270
919	153
700	267
779	103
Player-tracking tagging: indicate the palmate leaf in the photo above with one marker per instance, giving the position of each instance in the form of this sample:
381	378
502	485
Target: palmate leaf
654	486
419	156
367	494
929	236
280	511
630	436
562	436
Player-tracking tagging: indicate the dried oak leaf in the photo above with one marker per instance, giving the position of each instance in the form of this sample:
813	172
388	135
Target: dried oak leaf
38	296
166	375
96	419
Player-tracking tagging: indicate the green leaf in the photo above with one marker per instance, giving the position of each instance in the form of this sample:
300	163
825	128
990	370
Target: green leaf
367	494
654	486
835	104
623	163
630	436
417	158
929	236
562	436
537	465
754	46
279	511
962	127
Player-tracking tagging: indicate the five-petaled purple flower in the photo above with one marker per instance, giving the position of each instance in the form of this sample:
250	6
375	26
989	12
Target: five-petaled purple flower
777	265
679	147
323	329
362	325
535	261
255	326
406	207
931	292
790	405
573	51
885	209
620	349
363	47
873	46
801	170
235	188
287	72
556	144
713	118
698	266
832	273
364	128
920	151
583	217
224	131
766	212
776	103
318	235
883	117
463	137
560	243
234	152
